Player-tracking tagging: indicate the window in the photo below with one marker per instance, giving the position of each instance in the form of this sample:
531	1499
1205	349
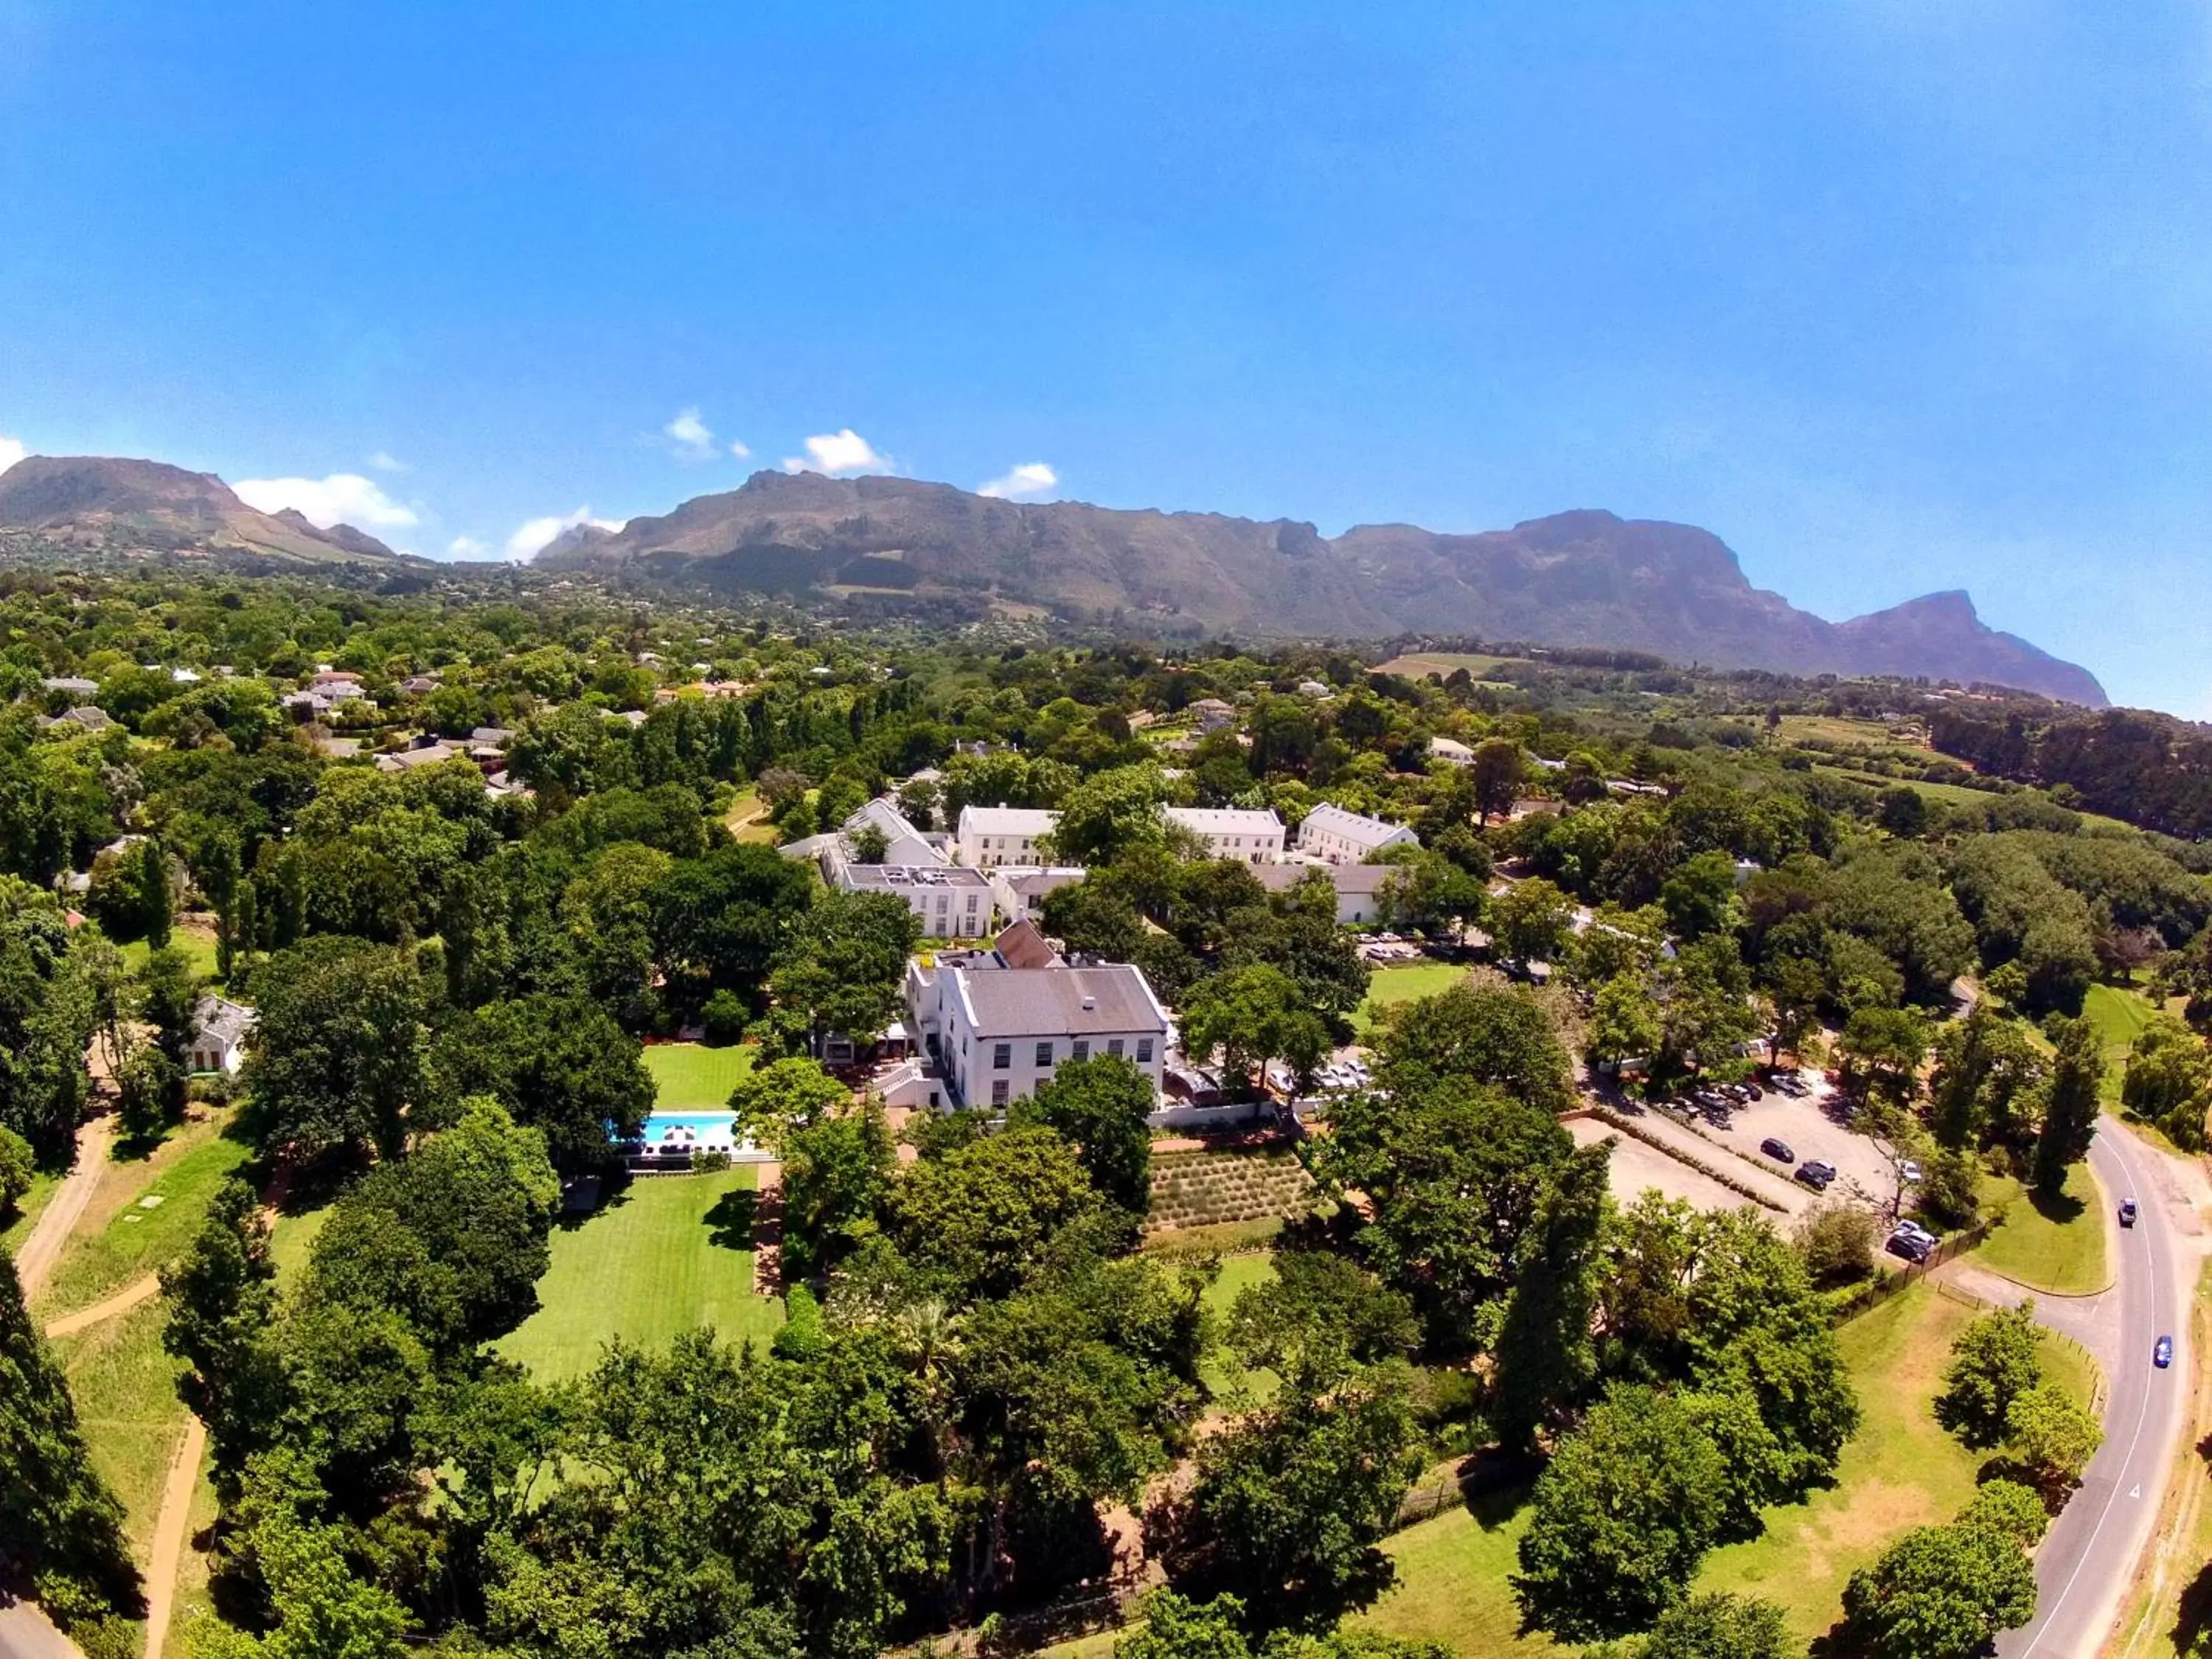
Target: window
998	1092
971	904
1143	1051
1044	1054
1002	1057
1081	1049
1113	1047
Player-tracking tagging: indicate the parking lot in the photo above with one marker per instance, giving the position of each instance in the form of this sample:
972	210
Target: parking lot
1864	1175
1638	1168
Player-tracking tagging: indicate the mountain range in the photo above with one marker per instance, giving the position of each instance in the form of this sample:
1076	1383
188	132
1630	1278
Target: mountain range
1582	578
108	503
1585	578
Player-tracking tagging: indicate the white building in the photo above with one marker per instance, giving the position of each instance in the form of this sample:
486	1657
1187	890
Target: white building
1451	749
990	836
1358	887
1231	832
1337	836
1021	890
219	1030
996	1031
903	842
949	902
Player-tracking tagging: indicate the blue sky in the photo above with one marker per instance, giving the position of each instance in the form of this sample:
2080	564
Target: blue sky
1894	297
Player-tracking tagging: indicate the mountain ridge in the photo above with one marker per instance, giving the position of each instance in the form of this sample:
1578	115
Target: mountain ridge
1584	577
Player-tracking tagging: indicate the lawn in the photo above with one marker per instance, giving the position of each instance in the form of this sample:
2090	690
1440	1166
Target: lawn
1953	795
2120	1015
689	1077
1418	664
665	1254
126	1391
1222	1372
292	1238
198	948
1899	1471
28	1211
1392	986
142	1216
2056	1245
748	818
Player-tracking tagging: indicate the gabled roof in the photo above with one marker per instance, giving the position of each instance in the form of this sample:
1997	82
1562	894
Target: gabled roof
1225	820
219	1017
1355	827
1022	946
907	845
1052	1001
1350	879
1031	821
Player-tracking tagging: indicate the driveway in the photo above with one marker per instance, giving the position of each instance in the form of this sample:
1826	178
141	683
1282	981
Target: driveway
1864	1173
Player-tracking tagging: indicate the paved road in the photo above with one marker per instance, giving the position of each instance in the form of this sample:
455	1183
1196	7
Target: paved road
2089	1557
26	1634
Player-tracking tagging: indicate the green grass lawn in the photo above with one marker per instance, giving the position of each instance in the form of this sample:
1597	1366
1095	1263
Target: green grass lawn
291	1239
198	949
125	1389
164	1198
1392	986
691	1077
2120	1014
1223	1375
748	818
28	1210
2053	1245
666	1254
1899	1471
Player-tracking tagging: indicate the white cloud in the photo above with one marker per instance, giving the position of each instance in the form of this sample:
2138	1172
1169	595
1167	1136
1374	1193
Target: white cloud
465	547
530	538
343	496
1024	483
11	451
741	451
836	454
385	461
688	436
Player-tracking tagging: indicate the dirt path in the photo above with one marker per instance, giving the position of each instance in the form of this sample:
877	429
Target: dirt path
137	1290
170	1533
43	1247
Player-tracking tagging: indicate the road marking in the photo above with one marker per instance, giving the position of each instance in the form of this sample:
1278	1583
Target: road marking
2135	1491
2089	1549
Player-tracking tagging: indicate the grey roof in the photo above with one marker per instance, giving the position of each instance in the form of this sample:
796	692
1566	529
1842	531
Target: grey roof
75	684
406	760
491	734
1356	827
219	1017
908	845
92	719
888	877
1367	879
1015	1002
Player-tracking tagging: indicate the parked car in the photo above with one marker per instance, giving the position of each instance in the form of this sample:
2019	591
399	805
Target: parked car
1917	1231
2162	1355
1909	1172
1777	1150
2127	1212
1911	1246
1816	1173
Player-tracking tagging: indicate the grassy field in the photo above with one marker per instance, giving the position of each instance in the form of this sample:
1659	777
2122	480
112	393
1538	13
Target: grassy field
291	1239
1391	985
28	1210
1899	1471
1222	1372
126	1391
1955	794
667	1254
196	943
2120	1015
691	1077
1417	663
142	1216
2053	1245
748	818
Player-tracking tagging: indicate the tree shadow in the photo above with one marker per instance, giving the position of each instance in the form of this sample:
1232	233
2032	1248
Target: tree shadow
730	1222
2192	1620
611	1194
2058	1208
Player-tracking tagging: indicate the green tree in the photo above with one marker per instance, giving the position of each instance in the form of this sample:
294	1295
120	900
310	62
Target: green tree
2052	1434
1101	1106
18	1167
323	1607
977	1218
2008	1507
1547	1355
1700	897
1532	920
1837	1242
1940	1593
1111	814
842	968
561	1064
48	1017
1882	1051
63	1527
340	1048
222	1318
2070	1101
1623	1022
1995	1360
837	1173
1290	1505
1487	1034
782	1098
158	911
1495	772
1318	1320
1249	1015
1621	1517
720	920
2169	1080
1720	1625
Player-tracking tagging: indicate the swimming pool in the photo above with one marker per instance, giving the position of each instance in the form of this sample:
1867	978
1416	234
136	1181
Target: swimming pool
706	1132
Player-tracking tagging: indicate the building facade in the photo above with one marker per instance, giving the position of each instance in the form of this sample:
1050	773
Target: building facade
1335	837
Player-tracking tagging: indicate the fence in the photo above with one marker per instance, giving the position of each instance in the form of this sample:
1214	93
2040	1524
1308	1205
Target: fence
1888	1284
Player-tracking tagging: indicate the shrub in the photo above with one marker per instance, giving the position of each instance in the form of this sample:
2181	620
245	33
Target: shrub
1838	1243
725	1016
